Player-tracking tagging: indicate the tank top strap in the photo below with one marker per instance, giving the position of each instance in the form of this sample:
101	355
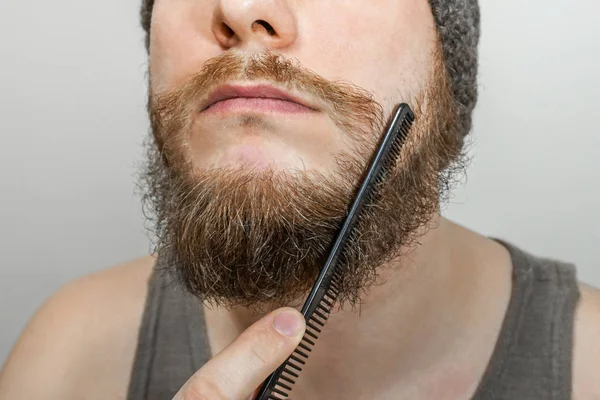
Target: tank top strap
172	342
533	355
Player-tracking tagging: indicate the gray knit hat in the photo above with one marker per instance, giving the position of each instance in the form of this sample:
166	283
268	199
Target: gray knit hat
458	25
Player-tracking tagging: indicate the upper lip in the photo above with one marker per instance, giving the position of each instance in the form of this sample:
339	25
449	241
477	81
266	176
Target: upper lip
255	91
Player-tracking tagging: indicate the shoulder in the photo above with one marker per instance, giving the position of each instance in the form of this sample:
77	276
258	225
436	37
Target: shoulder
82	338
586	353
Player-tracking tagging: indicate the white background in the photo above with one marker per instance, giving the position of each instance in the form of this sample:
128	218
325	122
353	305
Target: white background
72	119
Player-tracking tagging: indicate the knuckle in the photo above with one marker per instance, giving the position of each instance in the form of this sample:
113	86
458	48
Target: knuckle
262	357
202	388
265	347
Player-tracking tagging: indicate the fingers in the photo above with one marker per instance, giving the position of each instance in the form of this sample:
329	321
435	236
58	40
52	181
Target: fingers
235	372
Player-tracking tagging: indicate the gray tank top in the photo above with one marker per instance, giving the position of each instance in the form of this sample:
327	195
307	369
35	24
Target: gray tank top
531	360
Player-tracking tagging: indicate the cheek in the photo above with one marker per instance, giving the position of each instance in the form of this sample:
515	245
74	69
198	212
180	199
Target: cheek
385	48
178	47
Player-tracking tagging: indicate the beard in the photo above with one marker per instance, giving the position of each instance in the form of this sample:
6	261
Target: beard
234	236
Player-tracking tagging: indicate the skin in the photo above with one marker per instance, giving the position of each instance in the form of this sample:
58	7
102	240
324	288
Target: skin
185	36
81	342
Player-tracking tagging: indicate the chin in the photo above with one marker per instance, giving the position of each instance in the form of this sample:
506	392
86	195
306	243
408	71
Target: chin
258	158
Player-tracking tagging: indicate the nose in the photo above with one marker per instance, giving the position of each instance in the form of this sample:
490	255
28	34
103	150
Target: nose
269	24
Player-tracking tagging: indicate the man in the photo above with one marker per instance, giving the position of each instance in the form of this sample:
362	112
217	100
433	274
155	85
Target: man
264	114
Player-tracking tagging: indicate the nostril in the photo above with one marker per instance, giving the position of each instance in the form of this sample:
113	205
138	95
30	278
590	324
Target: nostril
265	25
227	30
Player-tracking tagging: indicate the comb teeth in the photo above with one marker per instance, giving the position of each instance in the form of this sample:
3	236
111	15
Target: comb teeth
392	156
292	365
325	291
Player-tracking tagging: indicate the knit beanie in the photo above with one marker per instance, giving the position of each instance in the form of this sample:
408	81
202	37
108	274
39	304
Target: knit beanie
458	27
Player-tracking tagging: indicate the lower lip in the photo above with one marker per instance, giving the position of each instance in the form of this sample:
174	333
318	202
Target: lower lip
257	104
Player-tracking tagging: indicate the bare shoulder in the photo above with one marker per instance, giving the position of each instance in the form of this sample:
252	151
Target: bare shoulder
586	354
81	341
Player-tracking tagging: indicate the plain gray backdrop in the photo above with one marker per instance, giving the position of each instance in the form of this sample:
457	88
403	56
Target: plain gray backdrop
72	120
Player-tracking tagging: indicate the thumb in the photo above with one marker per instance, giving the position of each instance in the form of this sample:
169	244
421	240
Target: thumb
242	366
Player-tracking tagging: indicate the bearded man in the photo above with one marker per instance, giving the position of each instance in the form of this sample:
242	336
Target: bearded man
264	115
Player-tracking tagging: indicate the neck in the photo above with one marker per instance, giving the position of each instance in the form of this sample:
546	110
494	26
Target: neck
434	317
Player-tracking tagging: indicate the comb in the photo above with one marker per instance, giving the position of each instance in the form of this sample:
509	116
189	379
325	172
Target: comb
325	290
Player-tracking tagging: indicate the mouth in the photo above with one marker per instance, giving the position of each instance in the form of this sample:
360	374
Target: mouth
262	98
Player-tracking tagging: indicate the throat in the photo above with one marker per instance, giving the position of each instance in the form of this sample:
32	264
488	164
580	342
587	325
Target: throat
427	331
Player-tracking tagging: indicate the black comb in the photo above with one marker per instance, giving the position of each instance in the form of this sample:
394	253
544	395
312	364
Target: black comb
324	292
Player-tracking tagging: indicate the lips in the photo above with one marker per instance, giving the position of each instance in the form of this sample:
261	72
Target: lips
262	91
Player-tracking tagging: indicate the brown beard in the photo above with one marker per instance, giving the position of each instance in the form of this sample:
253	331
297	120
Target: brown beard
257	239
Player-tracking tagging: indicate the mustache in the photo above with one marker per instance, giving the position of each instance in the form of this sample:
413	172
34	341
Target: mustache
352	108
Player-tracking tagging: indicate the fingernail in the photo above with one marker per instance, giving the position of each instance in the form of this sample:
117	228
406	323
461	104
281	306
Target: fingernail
289	323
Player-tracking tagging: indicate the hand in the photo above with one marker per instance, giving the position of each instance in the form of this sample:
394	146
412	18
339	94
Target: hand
237	371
